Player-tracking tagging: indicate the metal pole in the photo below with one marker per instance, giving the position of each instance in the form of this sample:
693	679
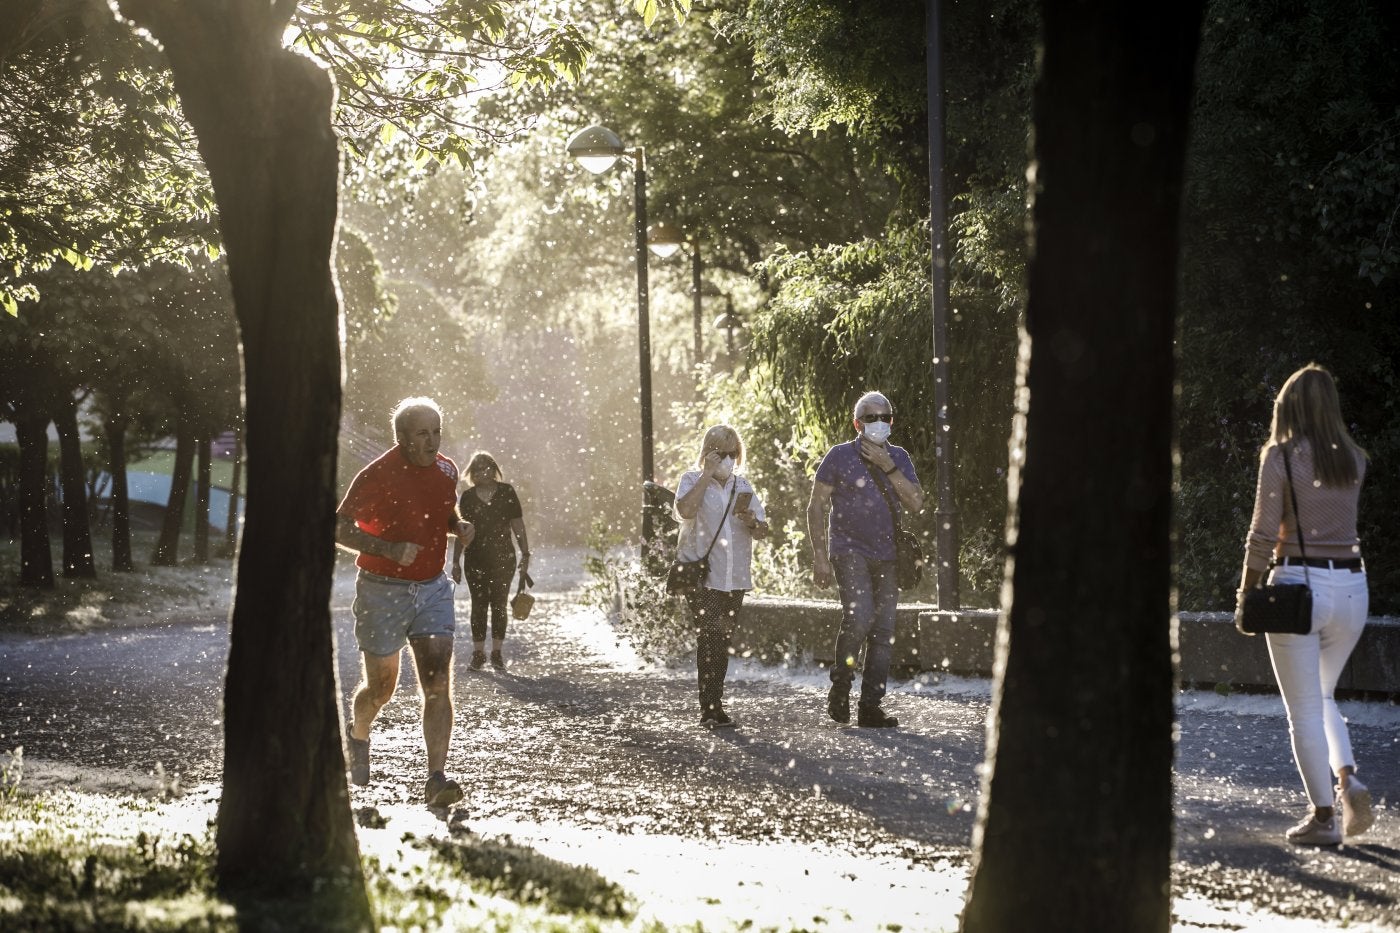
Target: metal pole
696	267
644	330
946	513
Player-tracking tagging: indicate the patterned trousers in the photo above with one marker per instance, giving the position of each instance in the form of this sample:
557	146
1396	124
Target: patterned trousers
713	614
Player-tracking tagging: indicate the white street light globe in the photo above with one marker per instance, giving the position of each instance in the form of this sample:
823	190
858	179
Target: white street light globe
664	239
596	148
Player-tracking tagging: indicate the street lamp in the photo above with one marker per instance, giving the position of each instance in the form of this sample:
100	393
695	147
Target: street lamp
665	239
729	322
597	149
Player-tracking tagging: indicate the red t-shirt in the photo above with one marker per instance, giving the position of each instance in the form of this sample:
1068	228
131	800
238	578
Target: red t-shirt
397	501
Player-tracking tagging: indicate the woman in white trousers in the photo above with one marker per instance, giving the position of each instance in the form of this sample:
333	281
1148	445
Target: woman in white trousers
1309	439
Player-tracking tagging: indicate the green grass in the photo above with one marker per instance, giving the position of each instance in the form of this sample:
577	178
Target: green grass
147	595
73	861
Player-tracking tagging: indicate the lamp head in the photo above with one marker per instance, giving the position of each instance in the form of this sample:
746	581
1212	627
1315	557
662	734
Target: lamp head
596	148
664	239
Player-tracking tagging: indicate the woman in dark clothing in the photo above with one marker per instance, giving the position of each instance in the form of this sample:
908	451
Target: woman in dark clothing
489	562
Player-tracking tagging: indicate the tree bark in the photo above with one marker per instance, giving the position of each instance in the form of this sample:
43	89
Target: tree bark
115	427
201	500
263	118
1075	821
77	528
167	551
35	552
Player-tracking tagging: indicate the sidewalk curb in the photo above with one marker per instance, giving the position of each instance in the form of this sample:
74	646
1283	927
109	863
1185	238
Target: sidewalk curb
963	643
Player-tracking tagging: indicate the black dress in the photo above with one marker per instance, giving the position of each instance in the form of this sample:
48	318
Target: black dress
489	561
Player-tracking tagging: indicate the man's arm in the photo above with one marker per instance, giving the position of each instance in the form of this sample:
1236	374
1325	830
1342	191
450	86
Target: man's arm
911	494
354	538
817	507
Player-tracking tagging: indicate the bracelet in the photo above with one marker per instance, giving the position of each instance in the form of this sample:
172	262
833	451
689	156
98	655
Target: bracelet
891	470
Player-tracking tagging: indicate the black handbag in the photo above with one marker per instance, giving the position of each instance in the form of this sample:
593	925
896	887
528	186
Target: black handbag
908	552
1281	608
686	576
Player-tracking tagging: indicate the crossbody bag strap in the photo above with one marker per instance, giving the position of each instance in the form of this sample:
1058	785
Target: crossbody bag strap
889	501
720	527
1297	516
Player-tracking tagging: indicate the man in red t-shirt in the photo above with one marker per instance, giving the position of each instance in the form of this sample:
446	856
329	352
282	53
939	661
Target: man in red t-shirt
397	514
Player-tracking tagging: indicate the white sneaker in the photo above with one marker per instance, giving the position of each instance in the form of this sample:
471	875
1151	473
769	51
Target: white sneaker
1312	832
1356	808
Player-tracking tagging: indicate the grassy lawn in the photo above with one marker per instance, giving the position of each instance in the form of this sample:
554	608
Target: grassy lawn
71	860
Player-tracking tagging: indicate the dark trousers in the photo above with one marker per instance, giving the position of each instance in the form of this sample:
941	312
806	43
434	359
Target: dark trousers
713	614
869	595
489	582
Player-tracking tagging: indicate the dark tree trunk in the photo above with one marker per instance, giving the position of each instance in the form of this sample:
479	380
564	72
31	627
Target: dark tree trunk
263	118
77	528
35	553
235	486
201	499
1075	826
167	552
115	427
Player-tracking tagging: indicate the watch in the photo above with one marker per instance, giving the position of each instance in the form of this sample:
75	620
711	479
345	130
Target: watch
893	469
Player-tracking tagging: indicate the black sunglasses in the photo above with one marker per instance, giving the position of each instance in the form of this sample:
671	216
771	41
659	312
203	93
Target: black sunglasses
886	417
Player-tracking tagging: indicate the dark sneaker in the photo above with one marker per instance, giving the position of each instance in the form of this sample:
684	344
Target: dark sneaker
478	660
722	720
497	661
441	792
838	703
875	718
359	760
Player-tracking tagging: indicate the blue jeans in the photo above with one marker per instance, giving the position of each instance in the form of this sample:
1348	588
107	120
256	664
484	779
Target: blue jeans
869	594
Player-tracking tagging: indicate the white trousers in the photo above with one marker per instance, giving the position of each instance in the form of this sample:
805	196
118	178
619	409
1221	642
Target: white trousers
1307	668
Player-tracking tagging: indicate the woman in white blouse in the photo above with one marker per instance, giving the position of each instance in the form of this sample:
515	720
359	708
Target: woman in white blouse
719	513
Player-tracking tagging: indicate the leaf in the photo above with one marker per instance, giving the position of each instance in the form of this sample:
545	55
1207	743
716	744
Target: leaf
647	9
387	132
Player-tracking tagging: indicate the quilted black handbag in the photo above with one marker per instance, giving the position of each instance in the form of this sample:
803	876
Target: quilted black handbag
1281	608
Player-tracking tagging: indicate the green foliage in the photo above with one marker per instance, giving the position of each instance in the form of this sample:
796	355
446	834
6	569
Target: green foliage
103	166
1288	258
656	624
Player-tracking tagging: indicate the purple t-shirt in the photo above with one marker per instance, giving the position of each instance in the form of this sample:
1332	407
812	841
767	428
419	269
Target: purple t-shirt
860	519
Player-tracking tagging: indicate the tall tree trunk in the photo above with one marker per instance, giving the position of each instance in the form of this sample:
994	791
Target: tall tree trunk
77	529
1075	824
235	486
35	553
167	552
115	427
201	500
263	118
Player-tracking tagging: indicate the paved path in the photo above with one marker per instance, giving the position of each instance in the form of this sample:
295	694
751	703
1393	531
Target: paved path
580	748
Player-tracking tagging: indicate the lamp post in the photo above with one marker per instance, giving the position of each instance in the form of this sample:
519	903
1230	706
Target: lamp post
946	512
665	239
597	149
729	322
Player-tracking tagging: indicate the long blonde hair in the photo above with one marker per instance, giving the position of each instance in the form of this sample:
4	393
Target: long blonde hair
1308	407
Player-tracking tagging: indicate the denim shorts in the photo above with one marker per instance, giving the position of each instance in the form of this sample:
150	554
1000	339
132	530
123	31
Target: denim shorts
388	612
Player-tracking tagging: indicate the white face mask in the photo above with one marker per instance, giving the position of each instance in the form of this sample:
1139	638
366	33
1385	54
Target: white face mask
878	431
726	467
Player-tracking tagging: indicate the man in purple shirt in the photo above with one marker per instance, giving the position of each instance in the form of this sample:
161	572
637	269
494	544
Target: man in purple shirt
857	551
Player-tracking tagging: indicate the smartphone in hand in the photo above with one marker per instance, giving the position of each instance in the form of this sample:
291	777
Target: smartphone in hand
743	501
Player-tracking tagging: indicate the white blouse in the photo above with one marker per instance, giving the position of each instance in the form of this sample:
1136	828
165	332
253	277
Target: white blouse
733	551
